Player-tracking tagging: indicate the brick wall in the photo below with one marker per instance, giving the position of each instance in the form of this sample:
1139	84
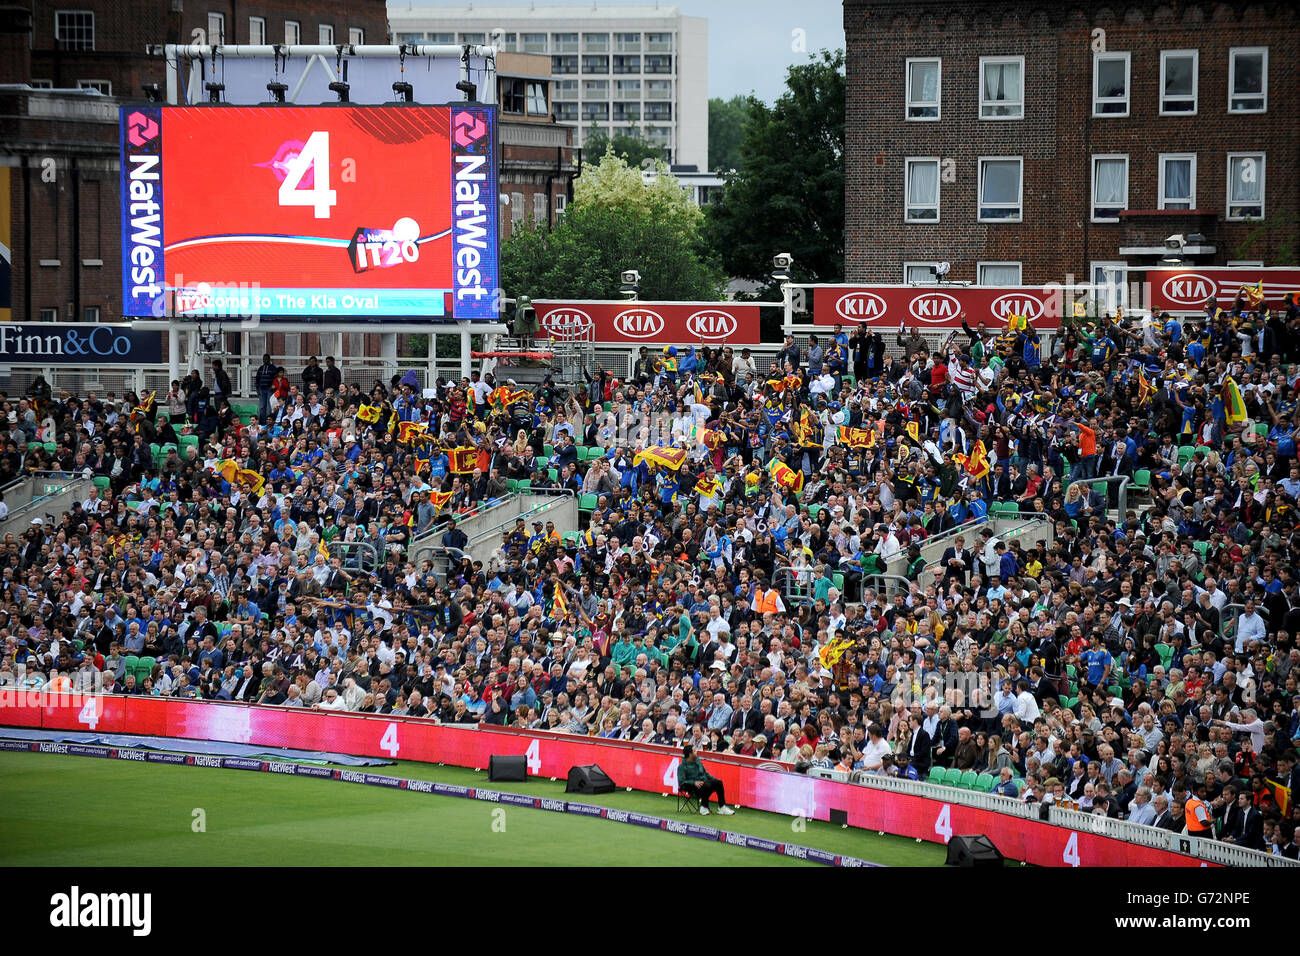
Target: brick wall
1058	135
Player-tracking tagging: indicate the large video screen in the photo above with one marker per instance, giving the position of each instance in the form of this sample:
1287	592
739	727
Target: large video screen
329	212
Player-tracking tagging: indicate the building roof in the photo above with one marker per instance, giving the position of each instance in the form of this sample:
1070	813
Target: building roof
471	11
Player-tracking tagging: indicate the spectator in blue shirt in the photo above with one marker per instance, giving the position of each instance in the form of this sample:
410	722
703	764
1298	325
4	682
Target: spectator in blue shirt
1099	662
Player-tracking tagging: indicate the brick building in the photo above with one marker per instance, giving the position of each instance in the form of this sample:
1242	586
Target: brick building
59	139
1028	141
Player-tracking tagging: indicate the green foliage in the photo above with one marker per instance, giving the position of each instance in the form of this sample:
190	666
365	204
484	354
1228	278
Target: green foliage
727	131
614	184
788	193
1280	228
632	149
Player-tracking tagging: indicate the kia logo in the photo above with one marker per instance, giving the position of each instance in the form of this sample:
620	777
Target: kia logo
567	323
1189	288
860	306
1016	303
468	128
934	307
712	325
140	129
639	323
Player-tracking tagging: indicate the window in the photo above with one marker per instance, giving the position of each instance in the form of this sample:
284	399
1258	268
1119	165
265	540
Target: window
442	37
1109	187
923	89
1245	263
595	64
1110	84
90	313
595	111
627	89
997	273
918	273
658	64
1109	285
1178	77
476	38
1245	186
536	93
658	89
257	31
409	38
49	315
357	36
519	96
595	89
103	86
561	203
292	32
921	185
1000	189
74	29
659	111
512	96
517	210
627	64
534	42
566	112
564	42
1002	93
325	34
627	112
595	42
659	42
564	64
1177	181
539	208
627	42
565	89
1248	79
41	84
216	28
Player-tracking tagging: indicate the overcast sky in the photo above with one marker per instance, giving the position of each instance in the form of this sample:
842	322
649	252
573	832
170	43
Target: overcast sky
751	42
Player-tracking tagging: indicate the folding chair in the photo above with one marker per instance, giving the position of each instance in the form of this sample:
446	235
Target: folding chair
688	801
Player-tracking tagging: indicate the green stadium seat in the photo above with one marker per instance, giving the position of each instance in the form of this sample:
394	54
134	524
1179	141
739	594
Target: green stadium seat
1141	480
33	445
188	440
984	783
523	486
554	473
1115	690
967	781
1020	784
936	775
952	777
609	406
146	667
512	485
51	447
813	511
79	645
102	482
571	538
1202	548
1261	429
1185	453
130	664
1166	654
548	451
587	502
837	579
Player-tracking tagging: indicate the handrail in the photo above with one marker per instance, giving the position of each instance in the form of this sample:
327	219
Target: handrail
524	515
1124	481
436	529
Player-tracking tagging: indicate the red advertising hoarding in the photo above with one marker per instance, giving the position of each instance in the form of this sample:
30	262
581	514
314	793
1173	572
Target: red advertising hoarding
935	307
1186	289
651	323
639	766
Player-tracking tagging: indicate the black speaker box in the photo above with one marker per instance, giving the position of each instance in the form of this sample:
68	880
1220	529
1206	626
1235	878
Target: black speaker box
973	851
589	779
507	769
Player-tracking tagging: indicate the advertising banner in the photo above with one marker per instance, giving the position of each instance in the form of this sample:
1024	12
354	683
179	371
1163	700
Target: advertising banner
935	307
651	323
312	211
1186	289
51	343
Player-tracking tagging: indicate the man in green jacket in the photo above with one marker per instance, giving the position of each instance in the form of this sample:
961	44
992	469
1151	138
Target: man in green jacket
693	778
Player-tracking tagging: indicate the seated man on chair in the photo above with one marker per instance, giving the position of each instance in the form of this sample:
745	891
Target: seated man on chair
693	778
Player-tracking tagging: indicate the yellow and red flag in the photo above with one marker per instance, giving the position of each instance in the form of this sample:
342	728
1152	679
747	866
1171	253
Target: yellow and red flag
1145	390
1234	407
785	476
228	469
856	437
914	431
368	414
462	459
251	480
439	499
408	433
1281	795
977	465
708	487
665	456
1253	295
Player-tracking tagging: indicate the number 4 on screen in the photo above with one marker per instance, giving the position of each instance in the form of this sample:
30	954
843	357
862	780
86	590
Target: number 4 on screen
315	156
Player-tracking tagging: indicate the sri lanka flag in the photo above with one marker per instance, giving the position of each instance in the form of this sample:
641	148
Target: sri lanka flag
1234	407
785	476
368	414
977	465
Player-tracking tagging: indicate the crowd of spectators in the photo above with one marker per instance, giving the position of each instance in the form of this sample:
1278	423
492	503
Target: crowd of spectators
720	589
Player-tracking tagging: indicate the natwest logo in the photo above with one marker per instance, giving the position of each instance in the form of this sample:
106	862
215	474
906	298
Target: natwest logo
934	307
639	323
1016	303
467	127
1189	288
140	128
567	323
712	324
860	306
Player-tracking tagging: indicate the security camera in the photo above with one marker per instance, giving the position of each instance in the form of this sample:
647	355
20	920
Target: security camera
782	261
1175	242
629	277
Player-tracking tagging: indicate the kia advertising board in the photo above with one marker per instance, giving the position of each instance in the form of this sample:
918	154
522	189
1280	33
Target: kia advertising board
322	211
940	308
651	323
1187	289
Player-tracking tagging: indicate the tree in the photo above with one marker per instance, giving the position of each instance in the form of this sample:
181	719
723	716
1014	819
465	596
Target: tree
632	148
788	192
727	131
615	222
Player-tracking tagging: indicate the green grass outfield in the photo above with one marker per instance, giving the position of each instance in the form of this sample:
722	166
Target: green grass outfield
58	810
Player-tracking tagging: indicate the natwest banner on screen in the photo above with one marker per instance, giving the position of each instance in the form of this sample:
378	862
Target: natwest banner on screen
935	307
1186	289
651	323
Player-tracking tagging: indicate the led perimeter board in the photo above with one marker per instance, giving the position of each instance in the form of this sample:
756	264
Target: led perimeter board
330	212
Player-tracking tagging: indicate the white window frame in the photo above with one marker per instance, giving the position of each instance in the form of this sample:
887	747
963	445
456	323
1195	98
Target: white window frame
258	39
1092	192
1099	101
49	314
1233	53
104	86
991	60
1263	185
979	189
41	84
908	163
518	210
541	209
1245	263
979	271
929	278
357	35
217	36
1162	199
91	313
57	37
297	29
561	204
1120	299
324	38
1180	97
908	105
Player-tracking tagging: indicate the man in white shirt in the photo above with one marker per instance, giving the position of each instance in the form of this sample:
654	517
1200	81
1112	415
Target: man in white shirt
1026	709
875	750
888	546
1250	627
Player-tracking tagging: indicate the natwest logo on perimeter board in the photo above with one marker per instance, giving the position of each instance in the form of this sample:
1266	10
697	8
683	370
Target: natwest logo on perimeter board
861	306
1016	303
712	324
934	307
639	323
1189	288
